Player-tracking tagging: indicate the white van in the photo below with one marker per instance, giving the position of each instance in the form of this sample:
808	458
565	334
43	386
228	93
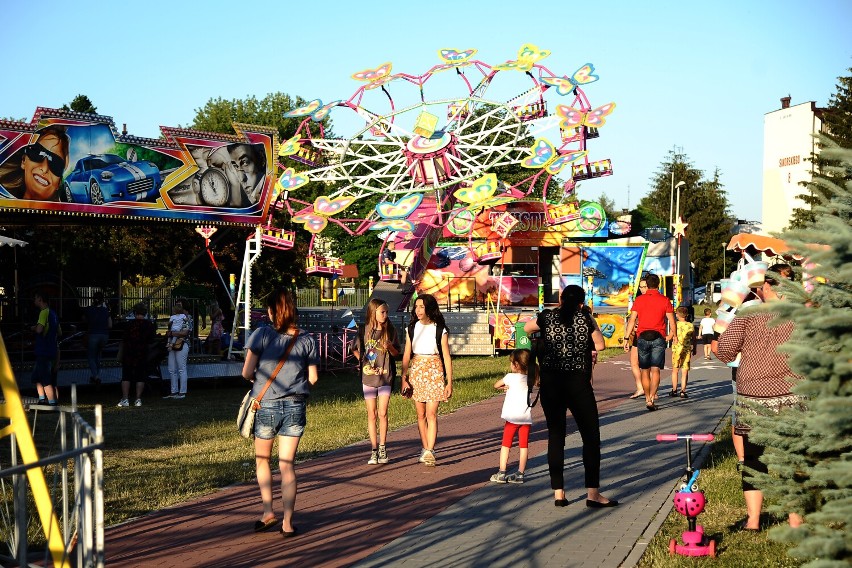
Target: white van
713	292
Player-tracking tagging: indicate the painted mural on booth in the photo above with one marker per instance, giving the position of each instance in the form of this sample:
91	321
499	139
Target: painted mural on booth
454	275
71	163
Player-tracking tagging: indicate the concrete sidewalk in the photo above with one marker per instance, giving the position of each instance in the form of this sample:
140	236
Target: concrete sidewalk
405	514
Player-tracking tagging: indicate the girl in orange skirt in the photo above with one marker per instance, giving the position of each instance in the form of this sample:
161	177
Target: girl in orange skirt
426	365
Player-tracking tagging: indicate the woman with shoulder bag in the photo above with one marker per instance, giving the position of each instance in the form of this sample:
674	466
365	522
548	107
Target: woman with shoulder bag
282	412
569	334
178	337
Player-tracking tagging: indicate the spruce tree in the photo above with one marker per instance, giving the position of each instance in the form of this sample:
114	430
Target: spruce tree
809	450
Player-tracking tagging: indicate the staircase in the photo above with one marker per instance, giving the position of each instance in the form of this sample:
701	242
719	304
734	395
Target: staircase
469	333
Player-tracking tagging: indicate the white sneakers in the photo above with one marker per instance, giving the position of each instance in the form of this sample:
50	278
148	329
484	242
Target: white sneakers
123	403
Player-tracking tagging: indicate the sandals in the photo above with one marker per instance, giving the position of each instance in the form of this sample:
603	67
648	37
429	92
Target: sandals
651	407
260	526
637	394
683	394
673	393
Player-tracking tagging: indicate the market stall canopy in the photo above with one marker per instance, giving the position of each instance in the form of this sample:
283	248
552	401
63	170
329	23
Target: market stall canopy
770	245
12	242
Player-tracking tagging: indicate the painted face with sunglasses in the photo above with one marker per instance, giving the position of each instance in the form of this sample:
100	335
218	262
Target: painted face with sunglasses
43	163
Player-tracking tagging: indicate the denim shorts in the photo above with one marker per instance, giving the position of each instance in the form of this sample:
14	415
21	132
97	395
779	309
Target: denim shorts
280	418
652	353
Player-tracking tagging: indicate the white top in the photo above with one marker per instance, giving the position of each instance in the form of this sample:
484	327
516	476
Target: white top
515	409
705	327
424	339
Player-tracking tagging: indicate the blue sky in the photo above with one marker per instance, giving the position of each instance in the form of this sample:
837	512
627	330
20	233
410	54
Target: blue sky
695	76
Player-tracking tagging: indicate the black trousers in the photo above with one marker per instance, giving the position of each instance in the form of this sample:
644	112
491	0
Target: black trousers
752	452
561	392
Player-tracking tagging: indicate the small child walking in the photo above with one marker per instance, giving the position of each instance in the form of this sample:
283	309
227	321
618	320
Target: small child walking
517	415
682	347
705	329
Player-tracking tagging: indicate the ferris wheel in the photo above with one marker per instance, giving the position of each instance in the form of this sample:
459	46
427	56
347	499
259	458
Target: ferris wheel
407	146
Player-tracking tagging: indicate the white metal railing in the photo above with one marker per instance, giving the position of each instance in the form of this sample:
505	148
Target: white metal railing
74	475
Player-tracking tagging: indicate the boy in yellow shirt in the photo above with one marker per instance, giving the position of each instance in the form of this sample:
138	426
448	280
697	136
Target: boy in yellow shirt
682	347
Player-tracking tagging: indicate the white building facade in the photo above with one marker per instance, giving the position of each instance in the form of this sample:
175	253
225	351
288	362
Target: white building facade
787	146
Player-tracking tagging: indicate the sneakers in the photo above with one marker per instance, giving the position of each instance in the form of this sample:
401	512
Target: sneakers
428	458
500	477
123	403
138	402
383	455
374	458
173	395
422	453
179	396
517	477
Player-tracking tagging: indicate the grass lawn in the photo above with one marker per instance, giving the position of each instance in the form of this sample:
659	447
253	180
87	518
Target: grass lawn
725	507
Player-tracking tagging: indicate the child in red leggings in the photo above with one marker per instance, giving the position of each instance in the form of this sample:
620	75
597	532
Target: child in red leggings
517	415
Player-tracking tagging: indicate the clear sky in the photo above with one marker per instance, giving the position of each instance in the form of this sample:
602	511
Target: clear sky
697	76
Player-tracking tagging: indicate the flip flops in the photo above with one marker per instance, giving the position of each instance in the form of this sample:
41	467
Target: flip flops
260	526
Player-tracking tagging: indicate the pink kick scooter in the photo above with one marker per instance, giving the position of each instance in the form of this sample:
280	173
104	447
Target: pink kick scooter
689	502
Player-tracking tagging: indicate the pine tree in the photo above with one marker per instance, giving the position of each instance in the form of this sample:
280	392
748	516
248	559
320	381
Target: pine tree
703	205
809	451
837	127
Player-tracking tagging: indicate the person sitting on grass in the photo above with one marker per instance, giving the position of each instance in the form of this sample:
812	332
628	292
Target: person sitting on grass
517	415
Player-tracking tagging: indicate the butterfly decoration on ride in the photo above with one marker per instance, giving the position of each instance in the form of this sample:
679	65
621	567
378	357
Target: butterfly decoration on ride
544	155
399	209
565	85
315	109
290	180
528	55
376	77
573	117
480	194
317	219
289	147
397	225
453	58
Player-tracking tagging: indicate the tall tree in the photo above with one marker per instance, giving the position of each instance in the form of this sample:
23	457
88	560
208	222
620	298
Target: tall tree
808	449
703	205
81	103
837	128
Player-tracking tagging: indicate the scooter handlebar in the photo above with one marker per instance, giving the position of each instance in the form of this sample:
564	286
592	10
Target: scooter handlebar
676	437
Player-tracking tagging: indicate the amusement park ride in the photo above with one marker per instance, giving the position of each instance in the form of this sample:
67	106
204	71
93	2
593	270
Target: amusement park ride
416	164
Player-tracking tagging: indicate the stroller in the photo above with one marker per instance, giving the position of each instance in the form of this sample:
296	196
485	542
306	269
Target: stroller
689	501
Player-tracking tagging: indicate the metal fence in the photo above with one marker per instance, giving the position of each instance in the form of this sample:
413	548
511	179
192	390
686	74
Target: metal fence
71	453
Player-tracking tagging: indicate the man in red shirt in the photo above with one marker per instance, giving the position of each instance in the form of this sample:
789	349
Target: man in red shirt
653	310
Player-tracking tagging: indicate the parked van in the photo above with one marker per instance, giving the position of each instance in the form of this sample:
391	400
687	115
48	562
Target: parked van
713	292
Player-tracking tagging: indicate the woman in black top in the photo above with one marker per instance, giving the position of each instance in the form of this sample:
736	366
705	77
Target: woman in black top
569	333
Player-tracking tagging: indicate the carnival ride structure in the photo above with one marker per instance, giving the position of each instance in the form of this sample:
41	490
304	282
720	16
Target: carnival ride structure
426	152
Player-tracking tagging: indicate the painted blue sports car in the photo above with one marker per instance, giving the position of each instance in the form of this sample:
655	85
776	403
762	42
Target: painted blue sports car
104	178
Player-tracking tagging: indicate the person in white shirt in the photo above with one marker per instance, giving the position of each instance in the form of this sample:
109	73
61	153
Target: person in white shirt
705	330
517	414
429	378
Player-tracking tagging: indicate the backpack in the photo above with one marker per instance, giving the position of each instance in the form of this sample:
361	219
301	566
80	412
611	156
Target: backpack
439	331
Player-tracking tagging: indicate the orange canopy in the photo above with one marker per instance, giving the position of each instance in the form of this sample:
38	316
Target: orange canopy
770	245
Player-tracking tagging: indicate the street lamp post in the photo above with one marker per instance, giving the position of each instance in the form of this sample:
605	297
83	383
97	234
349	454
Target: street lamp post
677	187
